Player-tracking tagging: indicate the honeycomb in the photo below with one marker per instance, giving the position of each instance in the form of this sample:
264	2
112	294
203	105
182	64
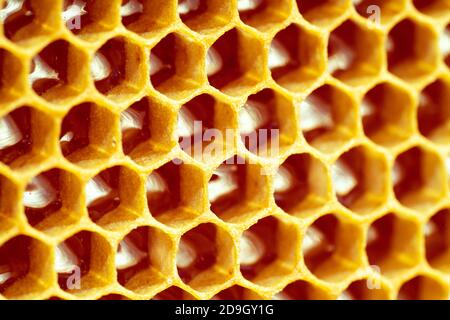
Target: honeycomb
103	197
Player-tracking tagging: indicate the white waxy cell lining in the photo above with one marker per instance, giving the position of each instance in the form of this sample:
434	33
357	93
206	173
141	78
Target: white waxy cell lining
39	193
10	133
128	255
225	183
252	249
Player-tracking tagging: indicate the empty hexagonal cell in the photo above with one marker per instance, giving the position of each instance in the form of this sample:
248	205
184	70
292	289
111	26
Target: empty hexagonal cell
379	10
263	14
146	17
83	262
433	112
393	243
437	241
88	18
173	293
266	251
302	290
24	267
11	75
87	134
354	53
423	287
365	289
406	57
204	15
234	63
114	197
300	184
267	123
237	292
387	114
205	257
433	8
141	259
174	66
330	248
322	12
25	137
26	20
58	72
328	118
418	178
116	68
175	192
51	200
146	130
360	178
237	189
296	58
205	128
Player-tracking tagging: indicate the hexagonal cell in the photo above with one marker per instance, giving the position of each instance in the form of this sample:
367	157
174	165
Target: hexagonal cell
11	75
117	68
237	292
26	20
360	178
364	290
433	8
328	118
141	259
25	265
147	17
444	44
406	59
303	290
417	178
330	248
237	189
87	134
437	241
323	12
433	113
393	244
378	11
387	114
88	18
51	200
423	287
57	73
267	123
300	185
113	197
296	58
234	63
83	262
204	15
173	293
9	204
267	249
174	66
355	53
263	14
175	193
205	257
25	137
204	127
